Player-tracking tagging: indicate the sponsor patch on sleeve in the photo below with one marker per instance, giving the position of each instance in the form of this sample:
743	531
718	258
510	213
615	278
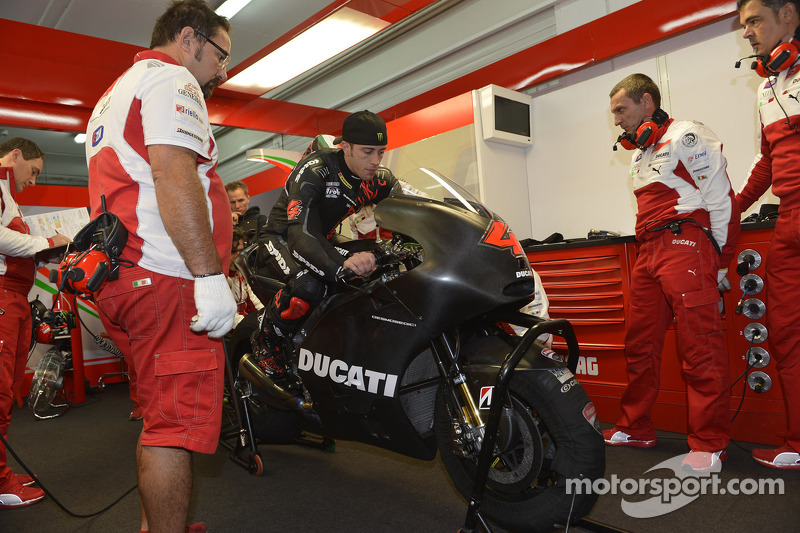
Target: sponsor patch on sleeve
293	209
689	139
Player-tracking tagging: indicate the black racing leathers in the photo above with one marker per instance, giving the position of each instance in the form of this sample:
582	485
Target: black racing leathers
319	194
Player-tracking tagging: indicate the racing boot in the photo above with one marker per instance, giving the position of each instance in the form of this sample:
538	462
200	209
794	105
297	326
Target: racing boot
271	351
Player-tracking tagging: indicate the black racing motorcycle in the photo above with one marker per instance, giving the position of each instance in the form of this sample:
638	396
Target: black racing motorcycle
419	357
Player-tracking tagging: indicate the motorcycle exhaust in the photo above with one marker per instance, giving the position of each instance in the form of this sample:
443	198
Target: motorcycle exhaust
249	369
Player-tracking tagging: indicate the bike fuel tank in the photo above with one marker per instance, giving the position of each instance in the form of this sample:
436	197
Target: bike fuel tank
472	263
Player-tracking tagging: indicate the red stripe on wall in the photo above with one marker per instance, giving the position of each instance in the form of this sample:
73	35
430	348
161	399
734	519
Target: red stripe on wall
55	196
439	118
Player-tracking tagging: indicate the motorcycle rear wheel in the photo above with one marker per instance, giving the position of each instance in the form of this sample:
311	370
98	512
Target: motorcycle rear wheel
551	441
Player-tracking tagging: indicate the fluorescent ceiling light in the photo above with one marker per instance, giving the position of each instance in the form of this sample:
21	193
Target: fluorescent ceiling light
330	36
80	138
231	7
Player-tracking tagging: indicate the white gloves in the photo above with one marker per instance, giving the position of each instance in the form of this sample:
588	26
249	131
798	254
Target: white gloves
215	305
722	282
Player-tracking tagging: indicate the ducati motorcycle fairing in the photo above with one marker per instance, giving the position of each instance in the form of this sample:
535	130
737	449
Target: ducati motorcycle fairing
414	359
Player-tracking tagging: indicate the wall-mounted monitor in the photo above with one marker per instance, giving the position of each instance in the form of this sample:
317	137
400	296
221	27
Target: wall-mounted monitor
505	115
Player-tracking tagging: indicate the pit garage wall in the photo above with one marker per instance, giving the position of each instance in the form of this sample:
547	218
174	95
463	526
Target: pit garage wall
577	183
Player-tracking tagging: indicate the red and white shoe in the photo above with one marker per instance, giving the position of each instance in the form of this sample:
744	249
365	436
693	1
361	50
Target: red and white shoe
704	461
13	495
616	437
136	414
785	458
24	479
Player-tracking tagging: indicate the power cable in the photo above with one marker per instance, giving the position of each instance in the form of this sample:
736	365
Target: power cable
50	494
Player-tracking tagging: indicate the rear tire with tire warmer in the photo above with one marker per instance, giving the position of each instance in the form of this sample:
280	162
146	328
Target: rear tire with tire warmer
553	437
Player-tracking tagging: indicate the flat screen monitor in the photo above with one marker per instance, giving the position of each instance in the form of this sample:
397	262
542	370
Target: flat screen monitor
505	116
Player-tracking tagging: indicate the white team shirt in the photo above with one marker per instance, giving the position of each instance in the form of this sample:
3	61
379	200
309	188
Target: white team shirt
156	101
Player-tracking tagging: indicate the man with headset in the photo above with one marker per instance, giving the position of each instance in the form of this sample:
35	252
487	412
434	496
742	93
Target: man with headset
771	27
686	225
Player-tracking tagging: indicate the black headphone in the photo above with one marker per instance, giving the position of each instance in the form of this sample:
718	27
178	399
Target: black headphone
106	233
646	133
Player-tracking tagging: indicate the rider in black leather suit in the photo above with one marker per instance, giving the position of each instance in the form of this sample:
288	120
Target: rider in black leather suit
325	187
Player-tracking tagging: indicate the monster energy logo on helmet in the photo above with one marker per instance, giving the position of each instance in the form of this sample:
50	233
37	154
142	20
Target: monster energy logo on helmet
364	127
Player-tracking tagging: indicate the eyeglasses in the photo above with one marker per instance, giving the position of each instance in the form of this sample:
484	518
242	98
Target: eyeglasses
227	57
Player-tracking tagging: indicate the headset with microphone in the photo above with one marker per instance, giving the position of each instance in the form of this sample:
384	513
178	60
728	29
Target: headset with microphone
646	134
779	59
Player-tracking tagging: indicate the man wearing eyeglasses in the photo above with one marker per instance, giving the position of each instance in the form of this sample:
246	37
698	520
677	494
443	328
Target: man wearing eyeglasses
152	155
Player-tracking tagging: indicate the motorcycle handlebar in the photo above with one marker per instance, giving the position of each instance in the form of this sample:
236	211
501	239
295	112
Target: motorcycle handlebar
345	275
382	258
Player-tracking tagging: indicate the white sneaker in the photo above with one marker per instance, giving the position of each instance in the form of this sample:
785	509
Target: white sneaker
616	437
704	461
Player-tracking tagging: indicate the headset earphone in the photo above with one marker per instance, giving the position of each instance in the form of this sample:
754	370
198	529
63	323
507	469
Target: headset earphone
99	245
82	272
780	58
646	133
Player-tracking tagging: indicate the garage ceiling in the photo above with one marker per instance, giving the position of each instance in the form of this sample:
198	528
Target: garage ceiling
429	43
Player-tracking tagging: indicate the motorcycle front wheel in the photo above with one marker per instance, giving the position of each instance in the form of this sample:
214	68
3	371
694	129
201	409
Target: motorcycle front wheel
546	437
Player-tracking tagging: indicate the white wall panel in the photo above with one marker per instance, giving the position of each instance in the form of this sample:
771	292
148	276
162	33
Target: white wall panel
578	183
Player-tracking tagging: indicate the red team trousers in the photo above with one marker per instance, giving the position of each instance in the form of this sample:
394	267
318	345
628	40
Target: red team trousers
676	276
783	315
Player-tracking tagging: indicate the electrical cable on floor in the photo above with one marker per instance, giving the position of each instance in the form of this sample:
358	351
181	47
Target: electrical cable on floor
50	495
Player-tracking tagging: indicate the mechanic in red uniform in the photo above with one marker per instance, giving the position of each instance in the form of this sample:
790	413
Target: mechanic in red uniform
20	164
152	154
687	225
324	188
771	26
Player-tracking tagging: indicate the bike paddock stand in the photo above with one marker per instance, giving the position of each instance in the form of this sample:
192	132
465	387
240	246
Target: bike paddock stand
240	440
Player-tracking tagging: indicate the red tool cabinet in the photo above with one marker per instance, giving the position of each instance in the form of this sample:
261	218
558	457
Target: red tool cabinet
587	282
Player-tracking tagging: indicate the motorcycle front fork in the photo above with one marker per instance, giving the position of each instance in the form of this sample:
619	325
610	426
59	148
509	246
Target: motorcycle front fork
470	427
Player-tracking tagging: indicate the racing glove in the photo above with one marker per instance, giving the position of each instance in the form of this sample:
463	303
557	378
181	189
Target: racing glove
722	282
215	305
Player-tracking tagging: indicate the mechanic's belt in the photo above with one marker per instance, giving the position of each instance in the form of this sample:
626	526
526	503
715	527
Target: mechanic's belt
675	227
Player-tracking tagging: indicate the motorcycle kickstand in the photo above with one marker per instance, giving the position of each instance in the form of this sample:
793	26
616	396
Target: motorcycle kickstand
482	525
